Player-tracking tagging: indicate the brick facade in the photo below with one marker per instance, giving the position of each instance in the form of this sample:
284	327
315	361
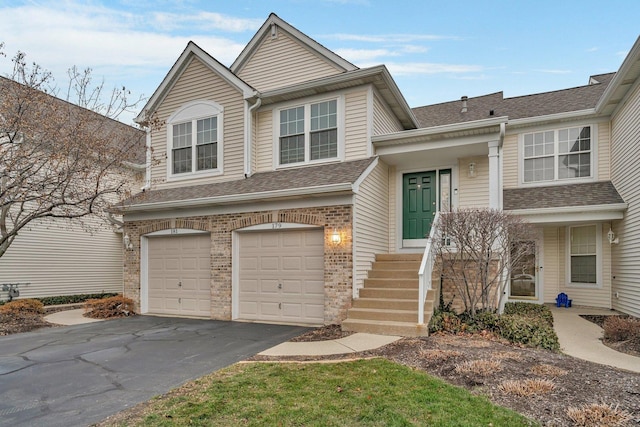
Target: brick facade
338	259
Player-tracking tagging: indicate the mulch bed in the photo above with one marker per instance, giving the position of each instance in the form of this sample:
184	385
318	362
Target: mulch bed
14	325
580	382
330	332
631	347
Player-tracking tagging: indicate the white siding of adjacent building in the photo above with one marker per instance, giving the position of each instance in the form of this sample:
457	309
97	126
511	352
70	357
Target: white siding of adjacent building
510	161
61	258
199	82
371	217
383	120
473	192
283	61
604	151
355	133
264	143
625	176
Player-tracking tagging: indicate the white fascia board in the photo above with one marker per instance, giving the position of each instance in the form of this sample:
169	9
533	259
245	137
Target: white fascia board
553	117
178	68
413	134
365	174
359	77
572	213
239	198
621	75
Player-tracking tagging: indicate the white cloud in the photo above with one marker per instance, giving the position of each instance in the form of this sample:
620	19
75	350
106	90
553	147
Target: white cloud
387	38
204	21
356	55
592	49
415	68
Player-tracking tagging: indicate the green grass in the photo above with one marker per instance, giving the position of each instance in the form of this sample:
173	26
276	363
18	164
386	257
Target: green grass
364	393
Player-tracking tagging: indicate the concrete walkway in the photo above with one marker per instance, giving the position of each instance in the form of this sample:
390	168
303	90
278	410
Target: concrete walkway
351	344
582	339
70	317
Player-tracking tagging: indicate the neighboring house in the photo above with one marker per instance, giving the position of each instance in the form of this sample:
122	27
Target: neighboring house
53	257
284	177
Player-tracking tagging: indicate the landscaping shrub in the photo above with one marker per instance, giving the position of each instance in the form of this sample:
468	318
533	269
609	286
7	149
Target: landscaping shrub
22	308
527	387
598	414
528	309
446	321
117	306
617	328
529	331
73	299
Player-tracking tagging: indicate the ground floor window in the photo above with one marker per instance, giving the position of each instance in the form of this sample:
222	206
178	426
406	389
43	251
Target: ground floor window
583	254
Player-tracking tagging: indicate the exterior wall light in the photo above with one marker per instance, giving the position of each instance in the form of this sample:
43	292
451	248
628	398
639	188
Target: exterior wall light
472	170
335	237
612	237
126	240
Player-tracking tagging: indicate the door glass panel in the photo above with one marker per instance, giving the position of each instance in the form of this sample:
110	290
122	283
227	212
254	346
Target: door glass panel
523	274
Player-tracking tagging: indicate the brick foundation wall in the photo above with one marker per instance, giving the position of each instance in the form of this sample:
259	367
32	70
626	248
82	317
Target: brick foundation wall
338	259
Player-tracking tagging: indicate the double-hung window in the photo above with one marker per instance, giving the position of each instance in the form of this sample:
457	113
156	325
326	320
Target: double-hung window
308	133
195	140
558	154
583	254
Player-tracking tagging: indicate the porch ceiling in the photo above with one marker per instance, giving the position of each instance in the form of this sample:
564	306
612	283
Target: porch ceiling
413	156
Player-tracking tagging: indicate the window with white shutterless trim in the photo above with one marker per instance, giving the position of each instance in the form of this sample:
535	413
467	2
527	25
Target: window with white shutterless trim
584	250
194	140
309	132
557	155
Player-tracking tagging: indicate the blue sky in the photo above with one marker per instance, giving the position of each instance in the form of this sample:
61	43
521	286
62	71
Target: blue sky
436	50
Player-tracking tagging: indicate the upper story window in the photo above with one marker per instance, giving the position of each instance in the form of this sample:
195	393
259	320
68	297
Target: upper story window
195	140
558	154
308	133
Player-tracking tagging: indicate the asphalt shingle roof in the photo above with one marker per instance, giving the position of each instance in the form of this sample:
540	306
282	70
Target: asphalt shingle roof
539	104
285	179
557	196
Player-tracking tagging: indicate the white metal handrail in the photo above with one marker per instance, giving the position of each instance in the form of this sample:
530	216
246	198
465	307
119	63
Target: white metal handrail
426	269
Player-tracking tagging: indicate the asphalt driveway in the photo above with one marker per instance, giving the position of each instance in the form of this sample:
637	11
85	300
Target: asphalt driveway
78	375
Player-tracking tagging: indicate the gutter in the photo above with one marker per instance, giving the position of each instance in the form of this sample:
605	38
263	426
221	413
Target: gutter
398	137
549	117
570	209
236	198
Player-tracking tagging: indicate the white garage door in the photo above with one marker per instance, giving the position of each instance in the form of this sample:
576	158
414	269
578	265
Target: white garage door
180	275
282	276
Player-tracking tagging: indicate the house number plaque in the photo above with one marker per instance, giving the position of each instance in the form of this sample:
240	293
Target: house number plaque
276	225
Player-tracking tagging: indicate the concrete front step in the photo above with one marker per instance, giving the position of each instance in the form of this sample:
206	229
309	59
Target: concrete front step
384	314
406	329
393	274
399	257
392	304
396	265
391	282
389	293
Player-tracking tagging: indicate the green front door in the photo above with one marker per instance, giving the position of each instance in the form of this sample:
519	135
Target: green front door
418	204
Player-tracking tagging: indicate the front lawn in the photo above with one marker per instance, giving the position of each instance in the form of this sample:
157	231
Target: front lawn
374	392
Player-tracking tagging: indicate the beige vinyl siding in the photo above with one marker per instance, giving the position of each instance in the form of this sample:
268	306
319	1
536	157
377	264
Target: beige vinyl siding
383	120
625	175
371	221
264	144
473	192
510	161
556	279
604	151
393	218
355	132
198	82
283	61
61	258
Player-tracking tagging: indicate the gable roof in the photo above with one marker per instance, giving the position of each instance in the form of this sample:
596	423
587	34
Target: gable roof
273	19
304	181
192	51
520	107
625	78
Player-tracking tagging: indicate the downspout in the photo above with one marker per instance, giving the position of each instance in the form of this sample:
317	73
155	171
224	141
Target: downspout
248	132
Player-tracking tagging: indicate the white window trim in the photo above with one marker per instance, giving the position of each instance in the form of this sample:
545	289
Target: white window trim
194	111
599	279
556	181
307	131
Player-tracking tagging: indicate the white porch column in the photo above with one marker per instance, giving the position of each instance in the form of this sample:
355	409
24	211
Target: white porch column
494	174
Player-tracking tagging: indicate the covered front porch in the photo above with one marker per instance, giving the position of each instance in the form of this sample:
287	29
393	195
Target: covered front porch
439	169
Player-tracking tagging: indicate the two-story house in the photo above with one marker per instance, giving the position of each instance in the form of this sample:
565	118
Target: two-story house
295	187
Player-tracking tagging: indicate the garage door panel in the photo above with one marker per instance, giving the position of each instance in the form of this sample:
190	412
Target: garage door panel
292	258
185	260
